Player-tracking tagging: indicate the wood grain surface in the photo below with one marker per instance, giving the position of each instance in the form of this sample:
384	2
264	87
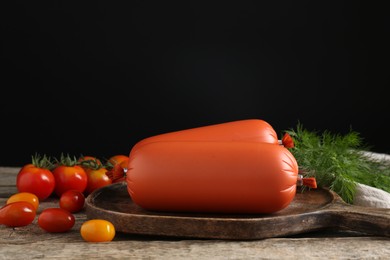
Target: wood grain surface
31	242
310	210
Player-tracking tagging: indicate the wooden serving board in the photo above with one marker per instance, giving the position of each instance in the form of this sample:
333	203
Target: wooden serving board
310	210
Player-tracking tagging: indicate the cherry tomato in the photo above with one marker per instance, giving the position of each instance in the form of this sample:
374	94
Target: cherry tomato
17	214
56	220
27	166
88	157
69	178
97	230
36	180
86	161
36	177
118	171
97	179
72	201
25	196
116	159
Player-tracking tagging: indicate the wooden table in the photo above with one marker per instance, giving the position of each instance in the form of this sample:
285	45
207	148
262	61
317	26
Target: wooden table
31	242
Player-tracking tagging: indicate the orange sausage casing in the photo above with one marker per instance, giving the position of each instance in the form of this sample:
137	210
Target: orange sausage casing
255	130
206	176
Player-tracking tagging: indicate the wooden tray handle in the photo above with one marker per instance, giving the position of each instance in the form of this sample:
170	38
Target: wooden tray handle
375	221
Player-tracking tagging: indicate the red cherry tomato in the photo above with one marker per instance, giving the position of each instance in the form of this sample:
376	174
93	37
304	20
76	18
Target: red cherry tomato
97	179
27	166
17	214
36	180
72	201
88	159
25	196
118	172
97	230
69	178
56	220
117	159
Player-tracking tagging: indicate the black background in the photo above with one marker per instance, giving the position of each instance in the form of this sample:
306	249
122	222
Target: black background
94	78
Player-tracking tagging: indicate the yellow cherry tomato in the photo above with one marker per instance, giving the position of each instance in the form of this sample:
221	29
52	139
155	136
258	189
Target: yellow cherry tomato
97	230
25	196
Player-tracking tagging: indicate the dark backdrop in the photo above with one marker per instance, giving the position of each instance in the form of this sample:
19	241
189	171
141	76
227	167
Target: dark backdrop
93	79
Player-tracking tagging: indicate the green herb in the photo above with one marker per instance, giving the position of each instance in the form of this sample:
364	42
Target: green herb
338	162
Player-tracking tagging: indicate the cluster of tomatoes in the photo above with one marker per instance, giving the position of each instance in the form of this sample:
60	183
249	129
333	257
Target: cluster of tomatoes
69	179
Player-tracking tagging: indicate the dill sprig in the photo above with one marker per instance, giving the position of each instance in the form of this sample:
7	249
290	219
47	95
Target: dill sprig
338	162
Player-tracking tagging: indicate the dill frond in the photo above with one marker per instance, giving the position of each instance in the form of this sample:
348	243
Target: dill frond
337	161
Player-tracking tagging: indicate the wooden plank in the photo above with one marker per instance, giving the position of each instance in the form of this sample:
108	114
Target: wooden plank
32	242
8	181
52	246
6	191
8	176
